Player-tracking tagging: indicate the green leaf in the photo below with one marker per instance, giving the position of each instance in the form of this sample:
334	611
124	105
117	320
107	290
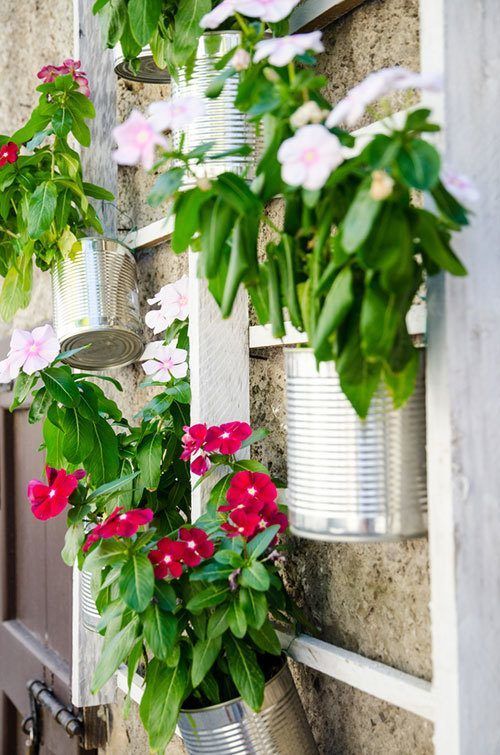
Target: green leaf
73	540
160	631
235	192
226	556
149	457
97	192
258	544
251	464
382	315
61	386
78	436
448	205
255	576
435	246
187	207
22	388
205	653
337	304
217	220
212	596
106	553
237	620
144	16
245	672
218	621
359	378
62	122
42	208
187	27
103	464
164	691
111	490
266	639
212	572
254	604
39	405
114	653
165	595
137	582
16	289
402	383
419	164
53	439
359	220
166	184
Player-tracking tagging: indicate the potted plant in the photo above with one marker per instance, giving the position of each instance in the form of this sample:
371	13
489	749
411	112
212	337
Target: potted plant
345	260
45	218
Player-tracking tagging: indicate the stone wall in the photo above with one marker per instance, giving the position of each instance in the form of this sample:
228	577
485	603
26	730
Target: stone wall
372	599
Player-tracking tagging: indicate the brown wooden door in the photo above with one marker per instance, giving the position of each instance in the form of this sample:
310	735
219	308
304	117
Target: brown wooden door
35	592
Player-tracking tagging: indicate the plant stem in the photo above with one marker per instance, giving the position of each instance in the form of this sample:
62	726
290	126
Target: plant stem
244	26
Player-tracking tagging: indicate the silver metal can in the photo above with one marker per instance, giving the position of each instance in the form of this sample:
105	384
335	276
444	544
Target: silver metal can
88	612
233	728
147	72
222	123
351	479
96	304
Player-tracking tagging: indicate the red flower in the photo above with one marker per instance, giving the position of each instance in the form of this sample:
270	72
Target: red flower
250	490
201	464
49	500
197	545
167	558
271	515
119	524
192	440
8	153
227	438
242	522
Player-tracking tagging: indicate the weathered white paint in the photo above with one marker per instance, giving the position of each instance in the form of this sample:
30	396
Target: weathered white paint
315	14
461	40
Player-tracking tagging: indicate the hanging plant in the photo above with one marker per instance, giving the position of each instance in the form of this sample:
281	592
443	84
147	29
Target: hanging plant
353	247
44	201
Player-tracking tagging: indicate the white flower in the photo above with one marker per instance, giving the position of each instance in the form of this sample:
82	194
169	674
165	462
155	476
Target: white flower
174	305
240	60
309	157
381	186
8	371
218	15
164	362
460	186
309	112
267	10
282	50
379	84
175	114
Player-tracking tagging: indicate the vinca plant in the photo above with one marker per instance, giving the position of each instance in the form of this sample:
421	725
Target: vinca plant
44	201
353	243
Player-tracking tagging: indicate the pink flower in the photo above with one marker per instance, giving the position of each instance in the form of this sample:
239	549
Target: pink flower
8	153
193	439
309	157
137	140
218	15
174	305
378	84
228	438
460	186
47	501
8	371
31	351
282	50
175	114
242	522
250	490
49	73
201	464
266	10
119	524
167	558
240	60
165	362
197	545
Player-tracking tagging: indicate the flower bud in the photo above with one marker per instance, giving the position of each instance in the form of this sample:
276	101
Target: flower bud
272	75
309	112
204	183
382	185
240	60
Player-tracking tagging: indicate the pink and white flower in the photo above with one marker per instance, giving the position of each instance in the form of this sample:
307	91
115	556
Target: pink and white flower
240	60
164	362
266	10
174	305
218	15
309	112
29	352
137	139
282	50
308	158
460	186
175	114
377	85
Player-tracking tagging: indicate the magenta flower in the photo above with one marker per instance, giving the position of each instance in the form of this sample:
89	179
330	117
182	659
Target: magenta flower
282	50
242	522
201	464
251	490
29	352
137	139
8	153
193	439
49	73
119	524
167	558
47	501
165	362
309	157
197	545
228	438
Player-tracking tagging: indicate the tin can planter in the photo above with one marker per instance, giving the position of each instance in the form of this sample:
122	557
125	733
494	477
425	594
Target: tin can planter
89	614
351	479
233	728
147	72
222	123
96	304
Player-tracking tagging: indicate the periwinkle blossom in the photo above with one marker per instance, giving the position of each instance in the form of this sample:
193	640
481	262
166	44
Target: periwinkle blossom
30	351
271	11
174	305
461	187
377	85
309	157
164	362
137	140
241	60
167	115
218	15
280	51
